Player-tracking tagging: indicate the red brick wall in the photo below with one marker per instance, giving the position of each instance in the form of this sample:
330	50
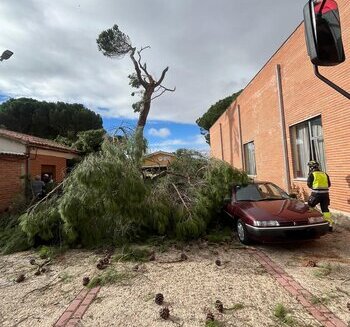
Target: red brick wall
305	96
10	183
38	160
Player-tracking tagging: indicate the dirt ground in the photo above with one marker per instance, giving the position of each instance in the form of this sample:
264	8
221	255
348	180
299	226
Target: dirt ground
190	287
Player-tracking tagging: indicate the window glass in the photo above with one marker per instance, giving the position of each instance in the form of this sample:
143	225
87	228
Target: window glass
249	157
307	144
260	192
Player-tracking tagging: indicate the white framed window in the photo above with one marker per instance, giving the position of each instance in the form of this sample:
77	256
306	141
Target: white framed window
249	158
307	144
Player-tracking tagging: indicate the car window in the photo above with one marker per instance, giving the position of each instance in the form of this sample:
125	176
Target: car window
275	191
264	190
248	193
260	192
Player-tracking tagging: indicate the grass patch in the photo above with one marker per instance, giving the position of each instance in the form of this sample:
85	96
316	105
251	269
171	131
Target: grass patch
284	315
52	252
320	300
66	277
110	276
323	271
134	253
219	235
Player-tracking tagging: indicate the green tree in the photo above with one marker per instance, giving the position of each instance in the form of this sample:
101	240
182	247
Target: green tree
47	119
113	43
89	141
213	113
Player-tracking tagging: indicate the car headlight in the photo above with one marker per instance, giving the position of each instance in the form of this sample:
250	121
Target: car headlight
266	223
316	220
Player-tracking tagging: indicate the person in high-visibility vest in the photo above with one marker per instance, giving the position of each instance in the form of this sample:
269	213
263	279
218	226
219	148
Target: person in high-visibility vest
319	182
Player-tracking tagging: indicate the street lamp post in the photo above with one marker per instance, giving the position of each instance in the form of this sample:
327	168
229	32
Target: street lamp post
6	55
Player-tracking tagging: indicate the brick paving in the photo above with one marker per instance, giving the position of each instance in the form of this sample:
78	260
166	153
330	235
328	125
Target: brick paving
75	311
320	312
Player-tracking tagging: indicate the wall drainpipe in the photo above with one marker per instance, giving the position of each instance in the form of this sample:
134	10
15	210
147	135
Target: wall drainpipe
283	128
221	142
240	135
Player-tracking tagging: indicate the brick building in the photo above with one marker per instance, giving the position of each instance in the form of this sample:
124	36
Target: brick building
286	116
25	155
158	160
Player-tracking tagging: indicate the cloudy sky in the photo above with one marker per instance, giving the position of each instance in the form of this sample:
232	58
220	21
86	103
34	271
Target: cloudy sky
213	48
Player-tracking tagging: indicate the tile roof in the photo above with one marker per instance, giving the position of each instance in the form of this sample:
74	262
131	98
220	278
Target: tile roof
11	154
36	141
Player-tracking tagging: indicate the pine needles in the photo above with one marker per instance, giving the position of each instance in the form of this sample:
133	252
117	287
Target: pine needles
107	201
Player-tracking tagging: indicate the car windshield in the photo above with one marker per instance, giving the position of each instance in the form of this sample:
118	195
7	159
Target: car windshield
260	192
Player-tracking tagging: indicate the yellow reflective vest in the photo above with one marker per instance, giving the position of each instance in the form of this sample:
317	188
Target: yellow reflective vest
320	181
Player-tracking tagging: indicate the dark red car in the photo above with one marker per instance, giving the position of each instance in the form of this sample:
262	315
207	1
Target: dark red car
264	212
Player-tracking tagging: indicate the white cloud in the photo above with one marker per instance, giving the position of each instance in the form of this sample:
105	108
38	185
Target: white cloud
56	56
162	132
199	139
196	142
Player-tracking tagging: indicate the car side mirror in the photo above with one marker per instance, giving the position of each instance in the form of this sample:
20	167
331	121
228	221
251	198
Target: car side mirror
293	196
323	33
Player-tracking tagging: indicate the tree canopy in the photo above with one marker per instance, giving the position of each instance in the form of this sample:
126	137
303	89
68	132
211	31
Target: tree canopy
213	113
47	119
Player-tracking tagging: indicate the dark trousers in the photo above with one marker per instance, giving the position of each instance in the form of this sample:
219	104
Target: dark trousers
319	198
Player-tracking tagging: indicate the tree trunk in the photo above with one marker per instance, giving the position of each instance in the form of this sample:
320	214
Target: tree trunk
139	139
145	108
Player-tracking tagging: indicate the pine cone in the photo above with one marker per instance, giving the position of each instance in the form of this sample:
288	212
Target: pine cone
152	257
135	268
20	278
310	263
219	306
183	257
86	280
159	299
32	261
218	262
101	266
105	261
43	270
164	313
37	273
210	317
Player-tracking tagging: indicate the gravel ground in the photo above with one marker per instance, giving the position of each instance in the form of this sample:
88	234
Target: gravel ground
40	300
190	287
329	281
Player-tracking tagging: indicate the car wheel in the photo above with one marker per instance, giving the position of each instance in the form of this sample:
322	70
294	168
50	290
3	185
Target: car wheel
242	232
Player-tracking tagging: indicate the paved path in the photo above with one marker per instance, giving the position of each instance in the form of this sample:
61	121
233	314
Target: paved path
75	311
320	312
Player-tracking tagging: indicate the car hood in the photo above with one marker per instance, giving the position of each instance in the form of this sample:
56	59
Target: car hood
284	210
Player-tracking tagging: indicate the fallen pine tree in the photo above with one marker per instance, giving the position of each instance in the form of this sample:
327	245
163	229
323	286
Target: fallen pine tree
106	200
